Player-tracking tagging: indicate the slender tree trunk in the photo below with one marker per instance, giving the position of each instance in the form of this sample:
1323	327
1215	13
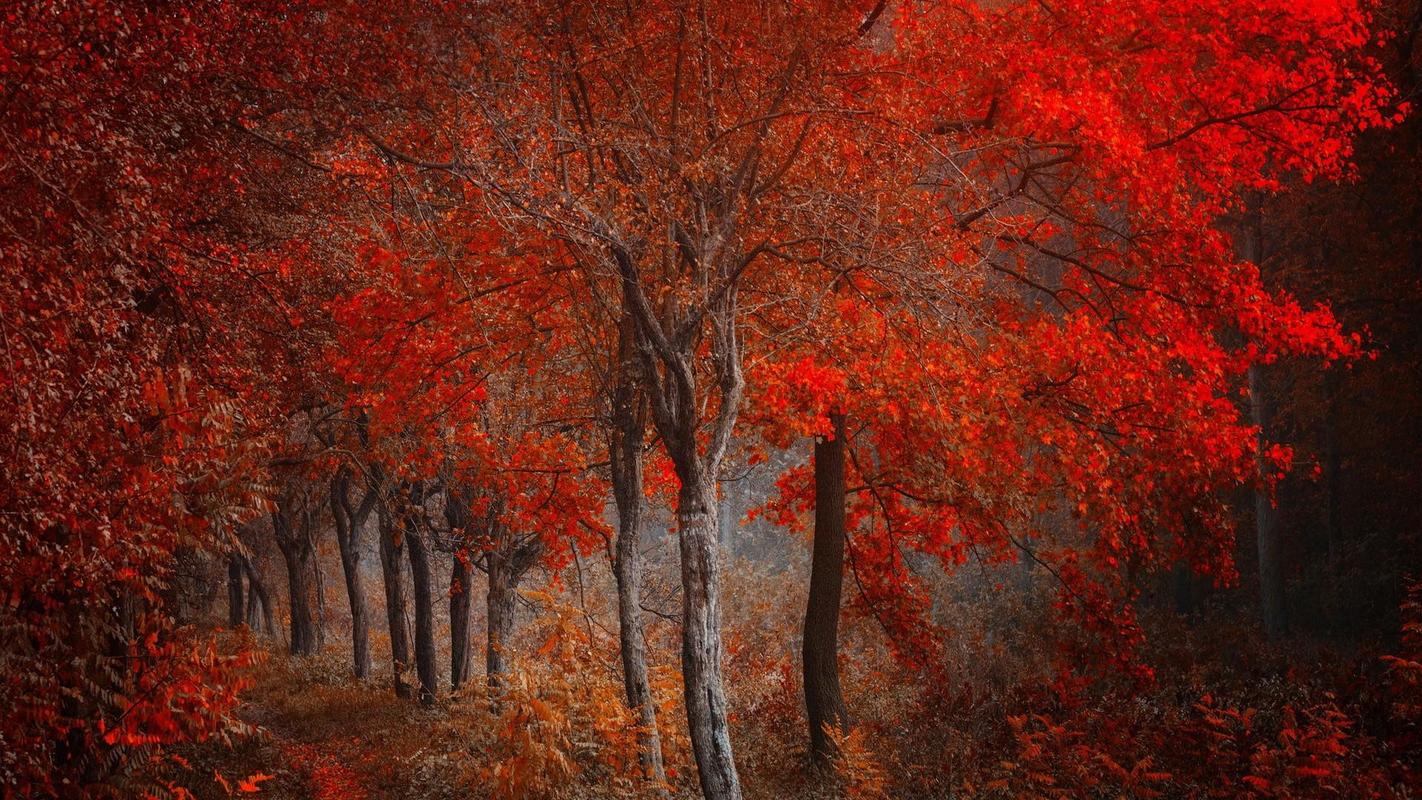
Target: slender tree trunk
421	582
1332	463
461	594
319	583
234	591
824	703
701	650
1266	521
461	578
1182	580
348	522
627	489
392	554
258	600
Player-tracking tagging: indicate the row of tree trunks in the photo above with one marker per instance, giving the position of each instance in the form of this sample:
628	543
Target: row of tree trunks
507	565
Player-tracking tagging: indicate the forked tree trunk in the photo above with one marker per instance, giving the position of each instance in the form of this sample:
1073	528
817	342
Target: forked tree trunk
296	553
669	355
422	583
234	591
349	522
625	452
824	703
701	651
461	594
507	565
392	556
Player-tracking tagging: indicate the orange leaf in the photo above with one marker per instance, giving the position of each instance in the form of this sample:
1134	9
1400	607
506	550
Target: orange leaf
249	783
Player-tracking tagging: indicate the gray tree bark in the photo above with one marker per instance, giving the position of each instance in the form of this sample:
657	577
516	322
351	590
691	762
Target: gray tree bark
422	583
392	556
461	577
349	520
259	603
461	594
625	452
669	361
295	545
507	565
702	651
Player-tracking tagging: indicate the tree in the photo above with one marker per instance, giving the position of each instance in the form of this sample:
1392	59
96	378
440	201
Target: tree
824	702
1019	201
294	524
1035	197
392	560
349	518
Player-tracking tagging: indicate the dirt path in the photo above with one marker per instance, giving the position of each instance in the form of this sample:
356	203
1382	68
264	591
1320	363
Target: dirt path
325	737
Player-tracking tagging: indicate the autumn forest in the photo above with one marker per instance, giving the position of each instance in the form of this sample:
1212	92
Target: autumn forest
971	399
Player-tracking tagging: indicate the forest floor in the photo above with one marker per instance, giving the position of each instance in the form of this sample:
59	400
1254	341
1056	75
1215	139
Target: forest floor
320	735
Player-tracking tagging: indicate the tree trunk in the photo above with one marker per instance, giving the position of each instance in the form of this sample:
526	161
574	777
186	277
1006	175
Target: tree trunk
1266	523
1266	520
296	553
258	600
1333	463
701	649
348	522
392	553
626	458
500	601
824	703
461	578
669	358
461	594
1182	582
303	627
234	591
421	582
319	584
